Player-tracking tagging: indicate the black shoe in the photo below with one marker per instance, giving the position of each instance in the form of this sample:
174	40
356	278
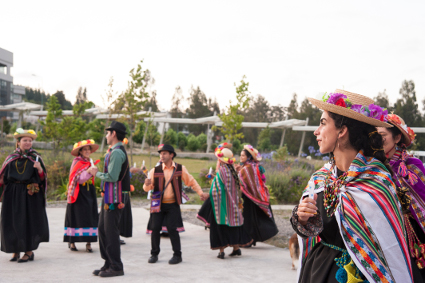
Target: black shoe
153	259
88	248
15	258
31	257
175	260
237	252
111	273
97	271
221	255
122	242
74	249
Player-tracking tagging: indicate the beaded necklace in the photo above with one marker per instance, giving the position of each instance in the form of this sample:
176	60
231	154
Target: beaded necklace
17	168
330	198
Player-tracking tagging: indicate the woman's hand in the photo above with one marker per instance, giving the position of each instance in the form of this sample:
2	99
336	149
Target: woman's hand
306	209
238	167
38	166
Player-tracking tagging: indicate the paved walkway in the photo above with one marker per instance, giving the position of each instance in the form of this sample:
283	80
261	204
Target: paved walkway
55	263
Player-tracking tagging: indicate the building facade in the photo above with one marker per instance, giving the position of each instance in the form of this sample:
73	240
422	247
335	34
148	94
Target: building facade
9	93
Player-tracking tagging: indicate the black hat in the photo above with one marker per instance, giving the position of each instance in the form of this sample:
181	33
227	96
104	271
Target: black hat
166	147
117	127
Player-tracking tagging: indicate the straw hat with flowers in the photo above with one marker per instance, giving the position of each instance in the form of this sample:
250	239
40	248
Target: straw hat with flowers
354	106
224	154
82	144
20	133
408	133
254	152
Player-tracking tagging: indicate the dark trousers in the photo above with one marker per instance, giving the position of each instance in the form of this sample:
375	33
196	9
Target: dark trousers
171	210
109	237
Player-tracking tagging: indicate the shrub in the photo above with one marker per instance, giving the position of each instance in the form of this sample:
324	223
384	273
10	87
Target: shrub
236	146
287	187
202	139
281	154
137	180
182	140
170	137
193	143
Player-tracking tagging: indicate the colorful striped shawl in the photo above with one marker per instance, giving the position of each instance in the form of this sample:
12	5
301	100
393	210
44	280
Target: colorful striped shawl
253	187
225	198
370	220
79	165
31	154
409	173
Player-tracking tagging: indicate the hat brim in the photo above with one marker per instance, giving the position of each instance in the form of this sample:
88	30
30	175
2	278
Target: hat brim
347	113
253	154
407	140
116	130
25	135
94	147
175	154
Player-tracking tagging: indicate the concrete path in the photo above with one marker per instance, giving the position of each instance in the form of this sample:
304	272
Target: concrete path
54	262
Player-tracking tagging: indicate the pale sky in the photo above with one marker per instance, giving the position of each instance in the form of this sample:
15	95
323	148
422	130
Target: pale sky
306	47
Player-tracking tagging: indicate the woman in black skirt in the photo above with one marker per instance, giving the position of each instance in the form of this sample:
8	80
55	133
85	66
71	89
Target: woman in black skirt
257	213
226	220
81	218
23	213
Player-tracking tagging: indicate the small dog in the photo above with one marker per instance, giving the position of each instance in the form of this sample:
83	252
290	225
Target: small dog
294	250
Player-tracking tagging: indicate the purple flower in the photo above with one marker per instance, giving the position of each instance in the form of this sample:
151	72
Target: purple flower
356	107
334	97
375	111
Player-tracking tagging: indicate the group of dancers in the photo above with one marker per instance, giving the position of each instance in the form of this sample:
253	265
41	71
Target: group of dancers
24	223
361	217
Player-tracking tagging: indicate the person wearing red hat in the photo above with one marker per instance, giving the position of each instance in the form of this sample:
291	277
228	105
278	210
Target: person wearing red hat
81	216
410	181
166	180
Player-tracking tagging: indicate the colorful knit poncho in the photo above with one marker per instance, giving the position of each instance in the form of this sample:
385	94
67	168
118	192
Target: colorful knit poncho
225	198
370	221
253	186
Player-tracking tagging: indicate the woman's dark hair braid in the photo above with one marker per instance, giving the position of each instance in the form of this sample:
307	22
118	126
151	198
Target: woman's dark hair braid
363	136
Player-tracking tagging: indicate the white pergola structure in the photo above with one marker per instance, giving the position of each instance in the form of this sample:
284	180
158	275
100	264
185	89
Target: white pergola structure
215	120
20	107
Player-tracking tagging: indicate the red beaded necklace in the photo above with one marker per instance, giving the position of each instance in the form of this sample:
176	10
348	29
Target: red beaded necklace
331	191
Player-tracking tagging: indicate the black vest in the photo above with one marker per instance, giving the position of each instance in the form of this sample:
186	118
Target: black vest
124	176
176	182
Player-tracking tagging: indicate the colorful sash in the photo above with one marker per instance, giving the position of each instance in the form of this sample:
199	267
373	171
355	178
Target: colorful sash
369	219
225	199
253	187
31	154
79	165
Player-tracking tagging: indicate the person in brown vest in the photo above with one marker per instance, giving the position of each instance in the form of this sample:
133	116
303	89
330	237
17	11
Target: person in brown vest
166	182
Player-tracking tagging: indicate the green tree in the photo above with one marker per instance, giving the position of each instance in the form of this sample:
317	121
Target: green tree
140	132
176	108
170	137
198	108
133	99
181	140
382	100
202	139
6	126
258	111
232	120
264	142
51	124
37	96
406	106
152	135
65	104
192	143
97	130
81	96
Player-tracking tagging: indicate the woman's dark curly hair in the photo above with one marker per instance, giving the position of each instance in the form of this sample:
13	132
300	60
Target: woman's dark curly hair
363	136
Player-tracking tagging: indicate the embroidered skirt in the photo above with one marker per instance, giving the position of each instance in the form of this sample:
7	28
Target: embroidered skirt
82	217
